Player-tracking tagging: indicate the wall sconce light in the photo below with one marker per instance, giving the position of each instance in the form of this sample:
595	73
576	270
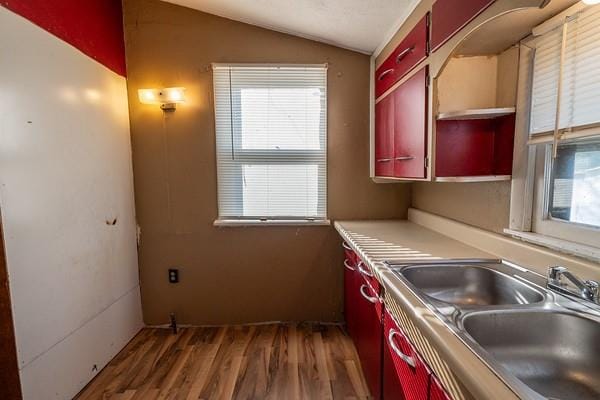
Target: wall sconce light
166	97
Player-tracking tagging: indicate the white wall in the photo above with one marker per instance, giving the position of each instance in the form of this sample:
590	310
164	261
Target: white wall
65	169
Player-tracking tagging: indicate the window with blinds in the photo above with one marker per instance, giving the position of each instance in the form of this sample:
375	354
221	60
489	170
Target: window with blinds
271	141
567	90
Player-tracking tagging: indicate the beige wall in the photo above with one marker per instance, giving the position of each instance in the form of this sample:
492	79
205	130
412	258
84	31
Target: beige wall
231	275
485	204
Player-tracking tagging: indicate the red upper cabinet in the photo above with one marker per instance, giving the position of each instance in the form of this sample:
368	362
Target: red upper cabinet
401	130
410	127
449	16
384	137
411	51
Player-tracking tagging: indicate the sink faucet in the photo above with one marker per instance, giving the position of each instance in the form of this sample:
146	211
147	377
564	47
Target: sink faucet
587	290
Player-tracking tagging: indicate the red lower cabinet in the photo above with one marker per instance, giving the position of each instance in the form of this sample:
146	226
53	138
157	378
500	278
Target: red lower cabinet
369	341
412	374
391	365
392	387
351	297
436	391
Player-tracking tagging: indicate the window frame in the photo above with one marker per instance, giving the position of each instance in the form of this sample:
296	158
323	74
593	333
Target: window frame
275	156
529	219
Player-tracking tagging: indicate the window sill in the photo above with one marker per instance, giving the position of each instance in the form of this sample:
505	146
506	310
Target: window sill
272	222
563	246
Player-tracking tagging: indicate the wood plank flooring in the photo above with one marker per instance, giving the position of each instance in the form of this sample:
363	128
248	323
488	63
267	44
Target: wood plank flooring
279	361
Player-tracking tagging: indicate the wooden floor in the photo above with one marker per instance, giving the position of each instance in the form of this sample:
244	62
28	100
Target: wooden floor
284	361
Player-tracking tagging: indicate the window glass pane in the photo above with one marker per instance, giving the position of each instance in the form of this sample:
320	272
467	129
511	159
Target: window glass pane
575	183
280	118
281	190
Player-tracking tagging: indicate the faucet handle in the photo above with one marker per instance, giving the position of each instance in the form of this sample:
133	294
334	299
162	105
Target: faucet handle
555	272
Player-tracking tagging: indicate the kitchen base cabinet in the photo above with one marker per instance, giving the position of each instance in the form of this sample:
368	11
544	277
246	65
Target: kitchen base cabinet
411	372
392	387
436	391
369	341
351	293
363	312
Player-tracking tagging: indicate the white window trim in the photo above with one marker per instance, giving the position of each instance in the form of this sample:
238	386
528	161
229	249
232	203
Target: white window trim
270	222
228	221
524	199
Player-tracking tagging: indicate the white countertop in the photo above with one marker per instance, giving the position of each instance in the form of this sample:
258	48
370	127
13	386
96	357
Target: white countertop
403	240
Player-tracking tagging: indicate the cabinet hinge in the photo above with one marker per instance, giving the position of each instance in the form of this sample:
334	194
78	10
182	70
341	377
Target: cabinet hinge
427	81
426	162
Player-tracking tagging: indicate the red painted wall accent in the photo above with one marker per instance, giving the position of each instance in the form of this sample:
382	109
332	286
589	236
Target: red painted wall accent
95	27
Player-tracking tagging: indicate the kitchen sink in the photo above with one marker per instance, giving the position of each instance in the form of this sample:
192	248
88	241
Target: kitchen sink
556	354
543	344
470	285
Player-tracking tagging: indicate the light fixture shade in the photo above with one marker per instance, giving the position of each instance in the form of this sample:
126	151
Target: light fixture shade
162	96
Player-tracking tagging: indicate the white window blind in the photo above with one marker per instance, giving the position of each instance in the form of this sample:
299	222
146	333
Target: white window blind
580	89
271	138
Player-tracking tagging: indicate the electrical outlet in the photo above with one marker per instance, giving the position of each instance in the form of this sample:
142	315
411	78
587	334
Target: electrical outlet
173	275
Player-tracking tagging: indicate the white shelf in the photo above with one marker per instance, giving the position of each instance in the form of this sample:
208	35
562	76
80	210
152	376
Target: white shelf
480	178
480	113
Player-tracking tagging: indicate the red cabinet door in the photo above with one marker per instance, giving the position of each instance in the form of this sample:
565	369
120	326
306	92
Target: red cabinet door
436	391
369	341
411	51
412	372
410	126
384	137
450	16
392	387
351	296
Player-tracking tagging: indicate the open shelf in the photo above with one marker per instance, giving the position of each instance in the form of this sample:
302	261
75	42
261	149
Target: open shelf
480	178
474	149
479	113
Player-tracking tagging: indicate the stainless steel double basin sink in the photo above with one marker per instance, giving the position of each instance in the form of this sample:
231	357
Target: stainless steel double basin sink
542	344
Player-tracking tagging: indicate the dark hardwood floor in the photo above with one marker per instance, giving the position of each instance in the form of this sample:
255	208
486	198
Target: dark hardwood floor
283	361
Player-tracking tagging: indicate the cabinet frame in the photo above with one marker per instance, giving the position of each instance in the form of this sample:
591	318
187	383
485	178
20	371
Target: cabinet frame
436	62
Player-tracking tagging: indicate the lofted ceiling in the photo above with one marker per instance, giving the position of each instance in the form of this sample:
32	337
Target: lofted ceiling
361	25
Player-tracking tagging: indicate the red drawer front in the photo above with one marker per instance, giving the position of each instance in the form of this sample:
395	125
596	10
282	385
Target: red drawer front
410	52
436	391
414	378
384	137
369	338
450	16
410	126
